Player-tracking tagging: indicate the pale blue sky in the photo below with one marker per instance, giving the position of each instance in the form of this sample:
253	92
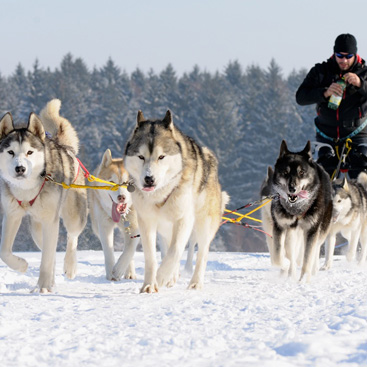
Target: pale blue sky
152	33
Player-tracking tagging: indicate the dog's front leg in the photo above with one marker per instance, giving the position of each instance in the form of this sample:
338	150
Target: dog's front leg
168	271
278	259
148	234
9	230
106	236
125	263
46	278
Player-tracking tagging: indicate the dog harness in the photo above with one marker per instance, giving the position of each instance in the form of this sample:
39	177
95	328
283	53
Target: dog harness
24	204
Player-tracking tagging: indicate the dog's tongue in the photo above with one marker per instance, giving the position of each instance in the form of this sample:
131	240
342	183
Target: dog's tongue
303	194
116	212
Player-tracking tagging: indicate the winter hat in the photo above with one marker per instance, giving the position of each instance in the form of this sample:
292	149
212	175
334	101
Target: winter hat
346	43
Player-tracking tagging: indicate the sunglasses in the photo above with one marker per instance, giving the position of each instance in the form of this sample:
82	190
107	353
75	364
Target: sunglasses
340	56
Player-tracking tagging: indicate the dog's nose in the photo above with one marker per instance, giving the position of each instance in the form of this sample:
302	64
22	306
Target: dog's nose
292	189
121	198
20	169
149	180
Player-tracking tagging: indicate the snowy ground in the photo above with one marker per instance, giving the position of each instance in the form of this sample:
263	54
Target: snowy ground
245	316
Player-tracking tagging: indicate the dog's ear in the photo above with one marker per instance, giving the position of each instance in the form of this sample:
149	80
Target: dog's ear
283	149
140	118
307	150
345	184
107	158
35	126
270	173
6	125
168	121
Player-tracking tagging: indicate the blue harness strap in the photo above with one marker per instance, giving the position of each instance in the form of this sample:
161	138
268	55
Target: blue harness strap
351	135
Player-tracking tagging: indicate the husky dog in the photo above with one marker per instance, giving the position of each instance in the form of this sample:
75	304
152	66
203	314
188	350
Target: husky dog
110	210
177	193
28	160
304	210
349	218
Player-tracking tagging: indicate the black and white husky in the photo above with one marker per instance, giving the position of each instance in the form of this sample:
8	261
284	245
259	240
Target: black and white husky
27	160
302	214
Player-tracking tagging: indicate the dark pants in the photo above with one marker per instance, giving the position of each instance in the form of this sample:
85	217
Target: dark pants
356	160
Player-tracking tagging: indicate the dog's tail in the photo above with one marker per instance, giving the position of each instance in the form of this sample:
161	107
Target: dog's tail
58	126
225	200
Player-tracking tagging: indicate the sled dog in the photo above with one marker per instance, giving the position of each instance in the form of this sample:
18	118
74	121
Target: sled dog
349	218
28	162
303	210
113	209
177	194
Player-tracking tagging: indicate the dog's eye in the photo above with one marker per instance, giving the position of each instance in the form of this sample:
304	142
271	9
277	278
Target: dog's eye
301	173
29	152
11	152
161	157
141	157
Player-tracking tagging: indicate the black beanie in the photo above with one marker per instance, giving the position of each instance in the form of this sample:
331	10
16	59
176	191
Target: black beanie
346	43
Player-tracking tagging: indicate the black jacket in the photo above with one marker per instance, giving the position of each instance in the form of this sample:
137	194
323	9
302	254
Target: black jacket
353	108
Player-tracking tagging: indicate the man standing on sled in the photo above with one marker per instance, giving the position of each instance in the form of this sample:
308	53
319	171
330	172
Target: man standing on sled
342	126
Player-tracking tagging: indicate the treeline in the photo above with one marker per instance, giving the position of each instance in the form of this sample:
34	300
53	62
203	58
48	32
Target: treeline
241	114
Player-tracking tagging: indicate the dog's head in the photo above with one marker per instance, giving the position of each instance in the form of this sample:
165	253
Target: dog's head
342	201
153	155
118	201
22	157
293	174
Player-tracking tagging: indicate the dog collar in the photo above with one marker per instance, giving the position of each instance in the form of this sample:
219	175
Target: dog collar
25	204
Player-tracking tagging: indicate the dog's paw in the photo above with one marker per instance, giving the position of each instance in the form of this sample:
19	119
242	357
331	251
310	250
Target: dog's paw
325	267
15	262
149	288
37	289
70	265
195	285
129	275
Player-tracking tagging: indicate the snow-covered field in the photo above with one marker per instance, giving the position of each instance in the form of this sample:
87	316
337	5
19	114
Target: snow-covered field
245	316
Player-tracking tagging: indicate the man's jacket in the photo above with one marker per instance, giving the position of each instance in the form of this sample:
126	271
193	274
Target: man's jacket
353	108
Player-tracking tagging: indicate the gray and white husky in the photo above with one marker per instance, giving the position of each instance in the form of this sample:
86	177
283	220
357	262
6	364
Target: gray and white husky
177	194
113	209
302	215
349	218
27	159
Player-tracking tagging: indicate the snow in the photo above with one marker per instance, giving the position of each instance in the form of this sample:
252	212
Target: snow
246	315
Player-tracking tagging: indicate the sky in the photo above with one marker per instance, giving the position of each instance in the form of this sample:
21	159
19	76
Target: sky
149	34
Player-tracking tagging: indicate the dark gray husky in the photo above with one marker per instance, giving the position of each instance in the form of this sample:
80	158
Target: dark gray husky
302	214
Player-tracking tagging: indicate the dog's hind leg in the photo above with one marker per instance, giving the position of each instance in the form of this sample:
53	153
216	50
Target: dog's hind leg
74	215
204	232
46	278
190	255
10	227
329	251
352	247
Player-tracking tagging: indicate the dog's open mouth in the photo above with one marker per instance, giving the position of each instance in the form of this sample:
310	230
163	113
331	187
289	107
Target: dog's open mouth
118	210
292	198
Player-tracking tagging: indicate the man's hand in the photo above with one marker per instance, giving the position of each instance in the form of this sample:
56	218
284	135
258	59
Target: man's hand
335	89
353	79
